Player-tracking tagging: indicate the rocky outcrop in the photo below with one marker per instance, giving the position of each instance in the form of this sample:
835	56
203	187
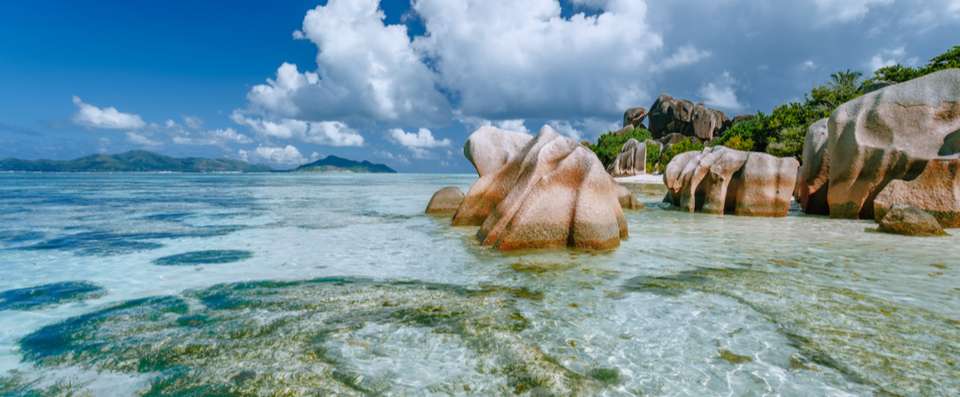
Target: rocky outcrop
553	193
669	115
889	134
445	201
627	200
489	148
720	180
910	221
631	161
814	170
936	190
634	117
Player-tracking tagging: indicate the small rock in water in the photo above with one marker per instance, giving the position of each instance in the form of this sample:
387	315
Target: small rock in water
910	221
445	201
203	258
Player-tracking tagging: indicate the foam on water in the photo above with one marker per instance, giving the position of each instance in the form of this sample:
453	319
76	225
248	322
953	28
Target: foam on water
691	304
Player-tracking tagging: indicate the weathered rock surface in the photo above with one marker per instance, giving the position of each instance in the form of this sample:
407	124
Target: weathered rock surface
631	161
445	201
634	117
669	115
489	148
671	139
936	190
910	221
814	170
627	200
553	193
889	134
720	180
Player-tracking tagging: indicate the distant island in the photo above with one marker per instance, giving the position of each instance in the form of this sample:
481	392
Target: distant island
144	161
339	164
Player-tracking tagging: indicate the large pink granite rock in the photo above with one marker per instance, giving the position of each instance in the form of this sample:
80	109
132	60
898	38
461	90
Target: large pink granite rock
553	193
489	148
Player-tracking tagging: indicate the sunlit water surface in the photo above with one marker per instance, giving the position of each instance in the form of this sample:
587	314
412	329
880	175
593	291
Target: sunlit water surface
158	284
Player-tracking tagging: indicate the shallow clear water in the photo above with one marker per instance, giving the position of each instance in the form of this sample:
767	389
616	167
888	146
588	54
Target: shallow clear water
378	298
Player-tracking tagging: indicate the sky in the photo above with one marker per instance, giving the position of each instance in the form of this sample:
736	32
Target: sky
405	82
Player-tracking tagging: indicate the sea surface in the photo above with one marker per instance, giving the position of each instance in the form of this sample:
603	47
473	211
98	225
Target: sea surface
285	284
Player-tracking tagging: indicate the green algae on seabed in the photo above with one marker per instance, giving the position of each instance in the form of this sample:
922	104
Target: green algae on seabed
899	349
48	295
733	358
288	338
207	257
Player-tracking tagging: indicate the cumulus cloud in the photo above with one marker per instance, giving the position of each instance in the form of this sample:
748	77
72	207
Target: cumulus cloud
890	57
107	118
365	69
141	140
808	65
506	59
685	55
417	142
721	93
331	133
218	137
846	10
280	155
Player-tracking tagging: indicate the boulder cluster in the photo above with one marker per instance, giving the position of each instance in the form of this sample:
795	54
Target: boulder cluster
540	191
631	161
720	180
895	146
669	115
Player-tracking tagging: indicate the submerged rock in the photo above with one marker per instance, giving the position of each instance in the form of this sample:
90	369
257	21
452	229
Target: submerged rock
631	161
936	190
889	134
207	257
627	200
669	115
910	221
489	148
445	201
329	336
814	170
720	180
48	295
554	193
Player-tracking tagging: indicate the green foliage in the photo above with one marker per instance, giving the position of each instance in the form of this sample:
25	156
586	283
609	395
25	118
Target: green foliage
740	143
900	73
608	145
653	156
686	145
789	142
753	131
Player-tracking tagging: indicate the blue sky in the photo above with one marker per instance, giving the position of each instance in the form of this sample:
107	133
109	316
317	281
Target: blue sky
284	82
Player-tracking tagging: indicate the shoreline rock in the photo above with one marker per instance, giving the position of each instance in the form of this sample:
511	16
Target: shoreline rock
910	221
445	201
631	161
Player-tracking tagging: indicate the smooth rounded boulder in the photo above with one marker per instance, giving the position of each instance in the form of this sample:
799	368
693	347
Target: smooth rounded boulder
889	134
489	148
910	221
554	193
936	190
633	117
720	180
631	161
814	170
445	201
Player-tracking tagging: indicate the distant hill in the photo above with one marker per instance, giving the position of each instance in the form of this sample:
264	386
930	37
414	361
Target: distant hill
132	161
340	164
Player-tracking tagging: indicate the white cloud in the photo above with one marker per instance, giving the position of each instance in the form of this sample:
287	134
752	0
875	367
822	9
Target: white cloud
332	133
721	93
108	118
218	137
193	122
418	142
846	10
808	65
365	70
566	128
141	140
281	155
508	59
685	55
890	57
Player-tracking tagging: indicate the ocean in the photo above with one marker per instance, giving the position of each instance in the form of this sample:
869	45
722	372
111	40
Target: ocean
288	284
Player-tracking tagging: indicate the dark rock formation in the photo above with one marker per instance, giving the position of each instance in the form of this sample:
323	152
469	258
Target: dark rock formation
631	161
634	117
669	115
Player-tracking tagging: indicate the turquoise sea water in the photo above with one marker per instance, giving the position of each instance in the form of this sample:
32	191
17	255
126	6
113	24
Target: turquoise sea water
167	284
